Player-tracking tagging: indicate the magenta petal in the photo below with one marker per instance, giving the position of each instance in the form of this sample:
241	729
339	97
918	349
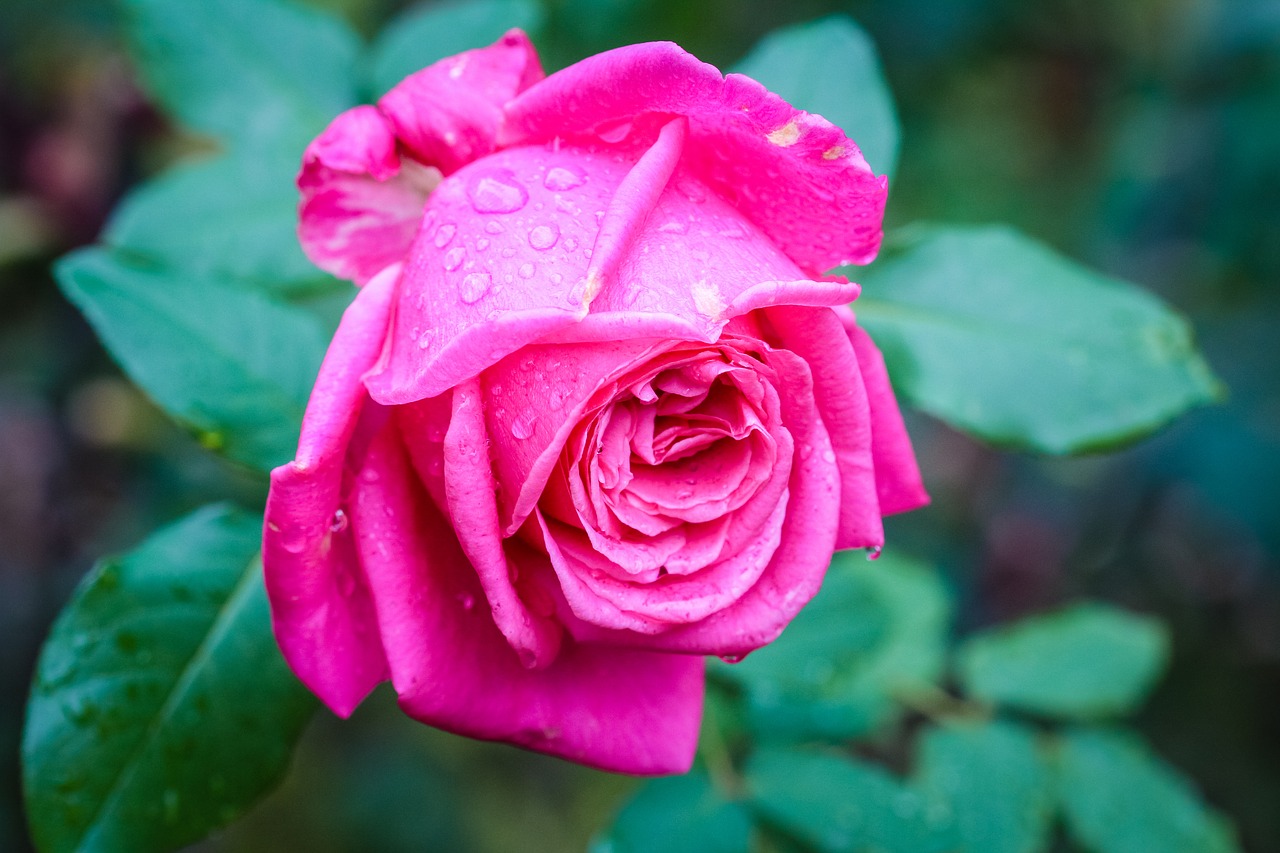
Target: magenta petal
616	709
468	485
818	337
797	176
320	603
360	204
898	480
448	113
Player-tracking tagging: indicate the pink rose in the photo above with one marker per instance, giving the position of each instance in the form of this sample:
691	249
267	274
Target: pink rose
596	411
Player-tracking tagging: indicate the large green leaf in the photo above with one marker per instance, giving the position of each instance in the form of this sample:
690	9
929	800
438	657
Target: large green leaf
428	33
161	707
829	67
995	782
876	629
1119	798
232	363
999	336
1087	661
837	804
679	814
234	215
261	74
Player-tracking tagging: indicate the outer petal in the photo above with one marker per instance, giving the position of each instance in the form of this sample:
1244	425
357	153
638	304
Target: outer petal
898	480
617	709
447	114
797	176
360	205
817	336
319	599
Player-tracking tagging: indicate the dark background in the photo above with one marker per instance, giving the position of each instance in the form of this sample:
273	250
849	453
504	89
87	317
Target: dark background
1141	137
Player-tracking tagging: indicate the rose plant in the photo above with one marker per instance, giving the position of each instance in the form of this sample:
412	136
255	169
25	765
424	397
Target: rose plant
597	410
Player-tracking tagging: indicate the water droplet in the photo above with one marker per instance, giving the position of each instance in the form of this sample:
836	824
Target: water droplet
426	338
522	426
570	244
293	540
614	131
493	226
675	226
692	190
562	178
453	258
474	287
444	234
508	252
556	278
497	192
544	237
466	599
874	552
732	658
80	711
339	522
526	270
482	244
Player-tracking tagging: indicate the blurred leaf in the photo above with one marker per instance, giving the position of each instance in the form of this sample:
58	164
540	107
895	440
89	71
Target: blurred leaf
830	67
235	215
1119	798
997	335
161	707
679	814
1087	661
264	74
994	781
838	804
429	33
875	629
230	362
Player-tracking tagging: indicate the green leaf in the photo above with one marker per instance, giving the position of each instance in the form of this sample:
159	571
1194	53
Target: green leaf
262	74
430	33
995	782
233	364
1087	661
161	707
679	814
829	67
1119	798
998	336
876	629
234	215
838	804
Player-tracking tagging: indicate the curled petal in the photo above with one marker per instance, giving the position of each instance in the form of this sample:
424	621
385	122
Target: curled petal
624	710
320	604
795	175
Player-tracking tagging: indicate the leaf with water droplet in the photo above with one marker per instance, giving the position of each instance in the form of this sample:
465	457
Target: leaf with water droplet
130	722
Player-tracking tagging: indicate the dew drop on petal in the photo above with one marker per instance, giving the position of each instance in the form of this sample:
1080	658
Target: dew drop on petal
474	286
614	131
482	244
526	270
675	226
453	258
497	192
732	658
562	178
444	234
338	522
467	600
543	237
493	226
874	552
522	426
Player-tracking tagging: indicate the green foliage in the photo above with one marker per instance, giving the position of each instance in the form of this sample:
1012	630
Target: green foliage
263	75
233	216
830	67
1119	798
835	804
998	336
161	707
425	34
994	780
233	364
679	814
1087	661
876	630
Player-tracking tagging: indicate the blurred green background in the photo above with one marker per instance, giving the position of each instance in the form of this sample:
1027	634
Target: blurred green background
1142	138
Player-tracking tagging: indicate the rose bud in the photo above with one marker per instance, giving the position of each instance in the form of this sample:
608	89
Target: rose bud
596	411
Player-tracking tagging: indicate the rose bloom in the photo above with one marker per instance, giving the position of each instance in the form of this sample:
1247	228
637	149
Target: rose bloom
596	411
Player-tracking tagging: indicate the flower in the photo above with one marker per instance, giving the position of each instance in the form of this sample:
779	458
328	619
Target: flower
596	411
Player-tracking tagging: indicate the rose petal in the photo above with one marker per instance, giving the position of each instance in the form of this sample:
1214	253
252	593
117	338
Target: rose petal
898	480
623	710
320	603
797	176
817	336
